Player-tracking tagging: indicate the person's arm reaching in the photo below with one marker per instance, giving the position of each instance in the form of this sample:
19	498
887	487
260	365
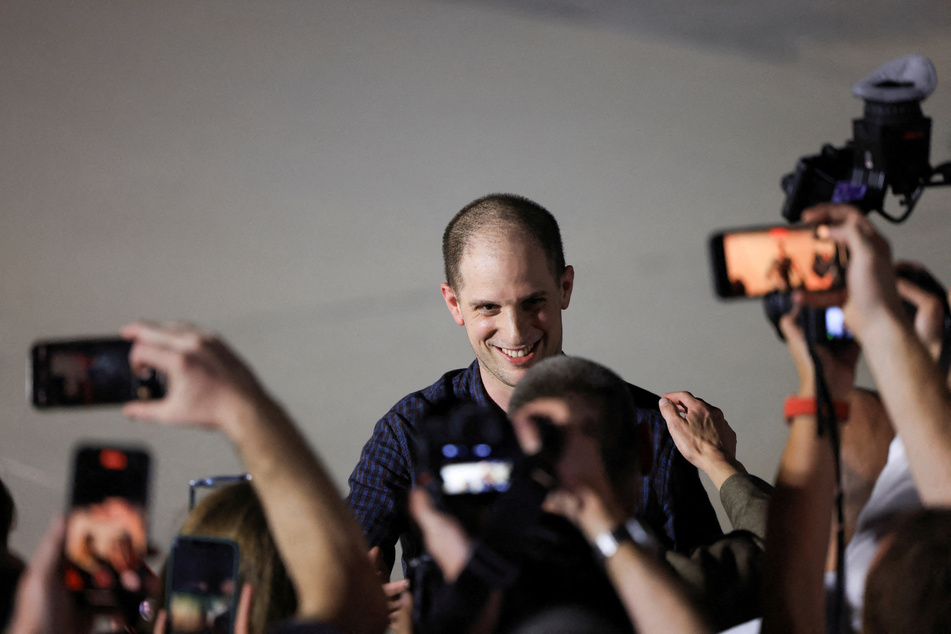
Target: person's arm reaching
800	513
702	435
911	386
653	599
707	441
321	545
724	576
43	603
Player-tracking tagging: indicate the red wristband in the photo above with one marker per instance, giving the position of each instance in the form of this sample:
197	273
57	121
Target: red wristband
801	406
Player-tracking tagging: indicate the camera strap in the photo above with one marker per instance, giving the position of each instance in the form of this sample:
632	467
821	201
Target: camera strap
827	423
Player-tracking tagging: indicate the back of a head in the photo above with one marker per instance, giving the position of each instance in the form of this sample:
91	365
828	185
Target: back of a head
566	619
909	587
513	215
11	567
7	515
562	376
924	280
235	512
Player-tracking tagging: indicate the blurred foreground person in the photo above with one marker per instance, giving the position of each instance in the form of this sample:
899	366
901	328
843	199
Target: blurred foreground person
526	570
11	566
319	542
234	512
914	392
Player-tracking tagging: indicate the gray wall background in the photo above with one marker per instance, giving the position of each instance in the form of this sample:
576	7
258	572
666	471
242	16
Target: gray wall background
282	172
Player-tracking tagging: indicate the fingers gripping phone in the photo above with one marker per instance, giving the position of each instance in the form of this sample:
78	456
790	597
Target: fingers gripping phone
106	530
755	261
81	372
202	585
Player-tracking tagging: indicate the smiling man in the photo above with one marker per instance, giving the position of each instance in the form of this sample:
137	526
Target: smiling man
506	289
507	284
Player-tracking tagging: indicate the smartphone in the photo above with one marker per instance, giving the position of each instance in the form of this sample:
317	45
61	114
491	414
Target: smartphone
202	585
755	261
106	530
81	372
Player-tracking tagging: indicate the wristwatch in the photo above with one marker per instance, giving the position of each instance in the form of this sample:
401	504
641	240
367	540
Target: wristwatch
606	544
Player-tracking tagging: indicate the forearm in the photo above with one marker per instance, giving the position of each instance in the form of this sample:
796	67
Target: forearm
320	543
917	401
652	598
721	469
797	534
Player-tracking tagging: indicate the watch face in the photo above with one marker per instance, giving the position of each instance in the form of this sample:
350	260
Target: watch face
607	542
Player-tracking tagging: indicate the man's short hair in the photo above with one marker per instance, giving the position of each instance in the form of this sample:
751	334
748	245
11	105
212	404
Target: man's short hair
908	588
608	394
513	214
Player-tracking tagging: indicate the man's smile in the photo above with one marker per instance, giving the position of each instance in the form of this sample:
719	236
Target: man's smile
519	353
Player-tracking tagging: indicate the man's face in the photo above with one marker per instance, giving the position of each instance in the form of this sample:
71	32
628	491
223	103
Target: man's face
510	304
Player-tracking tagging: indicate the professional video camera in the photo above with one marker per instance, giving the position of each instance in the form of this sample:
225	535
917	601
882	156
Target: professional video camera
890	148
469	461
827	325
464	459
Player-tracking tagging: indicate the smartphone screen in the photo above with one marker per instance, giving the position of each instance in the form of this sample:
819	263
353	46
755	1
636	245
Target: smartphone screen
754	262
835	324
482	476
202	585
106	529
87	372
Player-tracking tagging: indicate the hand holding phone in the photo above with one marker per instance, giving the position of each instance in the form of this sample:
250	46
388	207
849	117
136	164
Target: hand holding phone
207	381
872	286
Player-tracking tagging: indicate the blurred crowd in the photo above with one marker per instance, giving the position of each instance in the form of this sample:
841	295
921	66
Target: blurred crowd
537	491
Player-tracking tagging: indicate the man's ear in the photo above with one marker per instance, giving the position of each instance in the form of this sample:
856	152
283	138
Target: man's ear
452	303
526	432
567	284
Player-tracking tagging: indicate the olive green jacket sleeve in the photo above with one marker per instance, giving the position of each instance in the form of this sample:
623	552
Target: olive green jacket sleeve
745	499
725	577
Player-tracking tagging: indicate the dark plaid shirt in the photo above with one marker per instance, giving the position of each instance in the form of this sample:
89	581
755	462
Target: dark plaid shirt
672	501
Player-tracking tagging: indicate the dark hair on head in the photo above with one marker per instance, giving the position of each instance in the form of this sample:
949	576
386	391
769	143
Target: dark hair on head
516	216
923	279
563	376
7	515
235	512
909	588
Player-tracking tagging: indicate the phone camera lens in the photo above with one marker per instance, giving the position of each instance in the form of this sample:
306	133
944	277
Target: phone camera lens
147	610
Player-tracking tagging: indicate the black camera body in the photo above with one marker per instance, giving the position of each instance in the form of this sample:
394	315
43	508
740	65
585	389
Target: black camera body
819	325
827	325
890	148
469	461
464	457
